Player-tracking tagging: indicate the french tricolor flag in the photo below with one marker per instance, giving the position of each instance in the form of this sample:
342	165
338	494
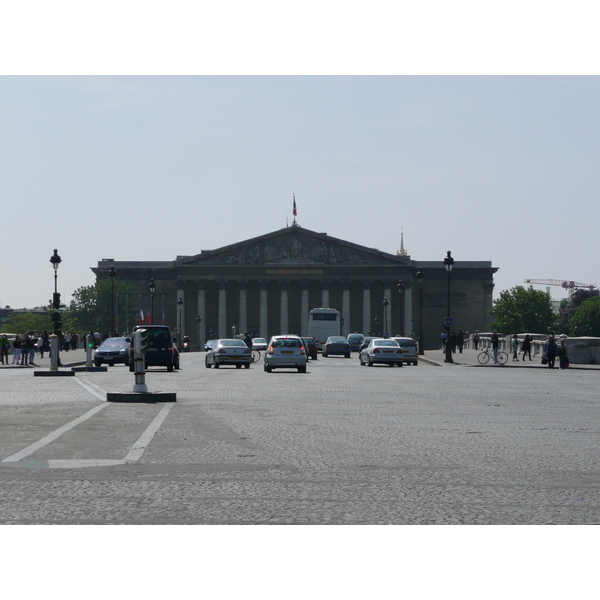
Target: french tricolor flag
294	211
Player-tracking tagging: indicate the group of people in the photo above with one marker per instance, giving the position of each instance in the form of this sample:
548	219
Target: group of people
457	341
552	350
24	348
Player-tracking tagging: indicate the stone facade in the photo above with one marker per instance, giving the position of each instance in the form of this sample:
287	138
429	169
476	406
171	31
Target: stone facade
268	285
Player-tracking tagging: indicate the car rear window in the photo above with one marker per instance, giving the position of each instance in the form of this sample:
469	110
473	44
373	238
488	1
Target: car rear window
287	344
232	343
385	343
407	343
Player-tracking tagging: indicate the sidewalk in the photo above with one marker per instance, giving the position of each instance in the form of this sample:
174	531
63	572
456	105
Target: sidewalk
468	358
69	359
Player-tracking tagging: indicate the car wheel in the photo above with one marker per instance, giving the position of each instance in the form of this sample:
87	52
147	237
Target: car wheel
216	365
347	356
206	364
369	363
302	369
247	365
238	366
267	368
97	363
170	368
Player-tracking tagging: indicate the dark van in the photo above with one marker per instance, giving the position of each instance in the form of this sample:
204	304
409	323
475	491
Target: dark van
162	352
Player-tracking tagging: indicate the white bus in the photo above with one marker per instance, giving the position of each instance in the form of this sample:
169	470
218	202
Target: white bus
323	322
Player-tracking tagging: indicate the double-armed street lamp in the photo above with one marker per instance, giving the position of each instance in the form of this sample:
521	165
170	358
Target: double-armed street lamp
112	273
420	276
152	290
448	263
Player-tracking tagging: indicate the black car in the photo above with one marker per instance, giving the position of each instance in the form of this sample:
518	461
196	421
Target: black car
311	348
162	352
112	351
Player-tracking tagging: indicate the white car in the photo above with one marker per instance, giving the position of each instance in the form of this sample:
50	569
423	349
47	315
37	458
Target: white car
259	344
286	352
228	352
410	355
383	351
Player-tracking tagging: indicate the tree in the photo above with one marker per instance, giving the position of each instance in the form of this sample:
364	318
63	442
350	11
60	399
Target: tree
586	320
24	322
90	307
523	310
569	306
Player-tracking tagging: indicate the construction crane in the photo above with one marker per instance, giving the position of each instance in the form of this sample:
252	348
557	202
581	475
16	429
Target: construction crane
571	286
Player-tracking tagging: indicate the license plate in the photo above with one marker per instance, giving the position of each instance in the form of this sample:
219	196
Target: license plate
389	351
235	357
152	349
287	352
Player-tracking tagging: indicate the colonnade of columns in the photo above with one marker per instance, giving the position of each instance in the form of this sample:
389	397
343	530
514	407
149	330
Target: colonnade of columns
242	317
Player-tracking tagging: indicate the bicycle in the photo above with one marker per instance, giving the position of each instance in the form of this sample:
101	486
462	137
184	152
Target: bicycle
485	357
255	355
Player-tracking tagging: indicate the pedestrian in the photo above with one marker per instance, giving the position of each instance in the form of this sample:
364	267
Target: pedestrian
514	346
476	340
25	347
563	359
16	350
495	344
4	346
453	341
74	340
444	338
526	347
32	345
96	339
461	340
550	351
105	335
248	340
67	341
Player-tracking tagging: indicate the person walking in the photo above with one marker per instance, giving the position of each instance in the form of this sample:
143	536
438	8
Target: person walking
4	346
495	344
32	345
248	340
563	359
551	351
514	346
526	347
476	340
16	350
460	340
454	342
444	339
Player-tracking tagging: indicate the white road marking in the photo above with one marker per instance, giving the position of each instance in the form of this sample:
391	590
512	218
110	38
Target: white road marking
140	446
101	396
54	435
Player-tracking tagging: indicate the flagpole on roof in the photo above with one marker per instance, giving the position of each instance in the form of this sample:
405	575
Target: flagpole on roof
294	211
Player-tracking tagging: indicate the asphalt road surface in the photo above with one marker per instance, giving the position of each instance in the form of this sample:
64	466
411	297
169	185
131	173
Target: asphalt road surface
341	444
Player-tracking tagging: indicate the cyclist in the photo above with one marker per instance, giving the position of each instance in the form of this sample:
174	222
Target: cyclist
495	344
248	340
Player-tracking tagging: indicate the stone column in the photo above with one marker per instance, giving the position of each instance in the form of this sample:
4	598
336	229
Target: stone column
202	314
409	323
366	307
387	326
243	307
223	310
325	298
283	313
305	311
346	308
264	312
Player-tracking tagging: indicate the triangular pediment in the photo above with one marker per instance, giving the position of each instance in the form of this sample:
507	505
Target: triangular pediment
294	246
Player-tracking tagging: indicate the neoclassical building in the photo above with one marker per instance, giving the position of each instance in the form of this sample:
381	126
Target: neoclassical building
267	285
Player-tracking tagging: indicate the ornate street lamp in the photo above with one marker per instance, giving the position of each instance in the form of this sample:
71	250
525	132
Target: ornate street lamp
180	304
448	263
55	362
152	290
400	287
385	325
198	320
420	276
376	323
112	273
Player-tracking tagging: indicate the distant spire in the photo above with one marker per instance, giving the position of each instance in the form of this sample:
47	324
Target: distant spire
402	251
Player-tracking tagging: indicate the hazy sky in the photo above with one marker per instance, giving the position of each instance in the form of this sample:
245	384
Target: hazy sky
151	167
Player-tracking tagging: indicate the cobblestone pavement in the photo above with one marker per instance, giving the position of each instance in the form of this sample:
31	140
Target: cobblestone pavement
341	444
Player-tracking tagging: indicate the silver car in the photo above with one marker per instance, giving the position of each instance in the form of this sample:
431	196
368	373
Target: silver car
379	350
410	355
228	352
259	343
287	352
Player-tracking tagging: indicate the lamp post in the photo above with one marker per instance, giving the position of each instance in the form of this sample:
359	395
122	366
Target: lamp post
112	273
152	290
420	276
385	321
54	349
180	304
400	287
448	263
376	323
199	320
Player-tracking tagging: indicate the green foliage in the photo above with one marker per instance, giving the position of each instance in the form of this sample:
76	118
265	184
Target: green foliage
91	305
586	320
569	306
523	310
24	322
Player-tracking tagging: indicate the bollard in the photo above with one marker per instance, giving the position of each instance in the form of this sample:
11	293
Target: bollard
140	346
53	352
89	348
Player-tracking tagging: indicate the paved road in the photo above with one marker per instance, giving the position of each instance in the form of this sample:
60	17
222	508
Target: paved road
342	444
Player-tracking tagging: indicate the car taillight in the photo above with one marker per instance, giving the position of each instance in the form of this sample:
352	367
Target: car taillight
222	351
302	350
399	351
248	351
376	351
271	350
